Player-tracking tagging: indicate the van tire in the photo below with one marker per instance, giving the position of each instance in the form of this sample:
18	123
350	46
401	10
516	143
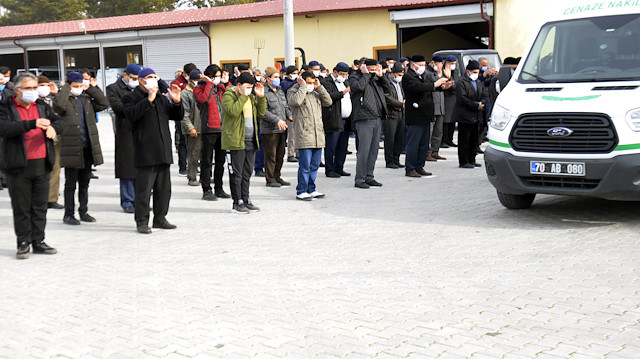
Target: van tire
516	201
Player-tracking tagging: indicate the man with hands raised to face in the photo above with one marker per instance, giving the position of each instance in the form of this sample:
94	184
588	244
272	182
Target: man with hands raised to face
27	129
240	110
149	113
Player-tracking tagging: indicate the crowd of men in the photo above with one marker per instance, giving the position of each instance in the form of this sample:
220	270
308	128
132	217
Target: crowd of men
251	119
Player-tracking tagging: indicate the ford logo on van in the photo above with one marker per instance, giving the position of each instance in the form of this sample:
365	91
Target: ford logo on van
559	132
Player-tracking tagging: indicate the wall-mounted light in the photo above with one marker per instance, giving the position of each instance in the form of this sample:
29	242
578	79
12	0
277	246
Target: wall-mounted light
309	16
254	20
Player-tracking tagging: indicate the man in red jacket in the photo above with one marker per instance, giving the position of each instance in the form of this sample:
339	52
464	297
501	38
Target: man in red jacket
209	95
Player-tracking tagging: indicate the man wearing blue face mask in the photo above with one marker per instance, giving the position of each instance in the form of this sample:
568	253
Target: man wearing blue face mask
125	169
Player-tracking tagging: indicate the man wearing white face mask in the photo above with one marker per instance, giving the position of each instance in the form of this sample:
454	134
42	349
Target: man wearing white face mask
259	164
393	125
471	99
449	125
335	119
149	113
314	67
286	83
80	144
124	166
46	92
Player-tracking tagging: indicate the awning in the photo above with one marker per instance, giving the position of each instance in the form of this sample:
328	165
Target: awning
444	15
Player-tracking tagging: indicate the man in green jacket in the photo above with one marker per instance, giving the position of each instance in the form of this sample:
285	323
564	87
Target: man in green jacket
240	110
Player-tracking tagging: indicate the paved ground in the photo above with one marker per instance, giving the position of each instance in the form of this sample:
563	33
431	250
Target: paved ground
420	268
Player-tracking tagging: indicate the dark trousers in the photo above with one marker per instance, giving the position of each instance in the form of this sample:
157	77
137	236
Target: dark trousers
127	192
210	145
335	151
157	180
467	142
417	146
29	191
369	138
259	161
274	148
242	162
181	146
447	132
81	176
393	139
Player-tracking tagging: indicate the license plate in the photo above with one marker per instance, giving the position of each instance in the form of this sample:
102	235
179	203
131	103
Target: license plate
558	168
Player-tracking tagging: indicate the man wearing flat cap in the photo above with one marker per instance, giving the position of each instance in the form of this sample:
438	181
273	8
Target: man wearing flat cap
419	87
125	168
368	86
149	113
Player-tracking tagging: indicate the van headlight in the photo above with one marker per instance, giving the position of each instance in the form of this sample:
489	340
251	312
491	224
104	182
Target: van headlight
633	119
500	117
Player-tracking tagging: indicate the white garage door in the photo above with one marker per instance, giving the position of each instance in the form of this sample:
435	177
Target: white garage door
167	54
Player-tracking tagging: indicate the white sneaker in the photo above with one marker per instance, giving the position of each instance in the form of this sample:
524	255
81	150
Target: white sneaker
316	194
304	196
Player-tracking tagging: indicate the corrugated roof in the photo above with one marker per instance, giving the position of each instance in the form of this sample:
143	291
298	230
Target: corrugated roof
208	15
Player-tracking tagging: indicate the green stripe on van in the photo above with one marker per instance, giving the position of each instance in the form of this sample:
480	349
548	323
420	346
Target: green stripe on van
632	146
499	144
583	98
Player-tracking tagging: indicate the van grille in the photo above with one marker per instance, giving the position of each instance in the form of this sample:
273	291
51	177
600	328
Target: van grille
592	133
562	182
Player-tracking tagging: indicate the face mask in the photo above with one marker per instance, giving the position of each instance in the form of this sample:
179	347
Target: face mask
258	78
473	77
186	78
44	91
310	88
323	74
484	68
223	79
133	83
398	79
453	66
76	91
316	73
216	80
86	82
294	77
151	83
340	79
247	92
420	70
30	96
435	68
276	82
2	86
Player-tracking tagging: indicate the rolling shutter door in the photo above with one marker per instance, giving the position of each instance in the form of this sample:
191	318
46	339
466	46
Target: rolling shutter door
166	55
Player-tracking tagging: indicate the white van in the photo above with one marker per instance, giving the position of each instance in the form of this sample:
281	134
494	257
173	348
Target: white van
568	123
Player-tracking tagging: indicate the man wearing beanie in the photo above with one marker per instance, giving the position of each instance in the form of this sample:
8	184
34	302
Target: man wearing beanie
149	113
240	111
419	87
393	126
368	86
335	118
471	99
191	126
124	166
80	149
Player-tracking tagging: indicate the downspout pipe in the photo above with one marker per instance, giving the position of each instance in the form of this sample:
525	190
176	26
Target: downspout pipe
488	20
25	58
206	33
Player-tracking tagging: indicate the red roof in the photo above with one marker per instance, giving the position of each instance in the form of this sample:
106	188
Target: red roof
180	18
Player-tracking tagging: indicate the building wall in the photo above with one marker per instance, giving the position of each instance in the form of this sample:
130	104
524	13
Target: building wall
327	38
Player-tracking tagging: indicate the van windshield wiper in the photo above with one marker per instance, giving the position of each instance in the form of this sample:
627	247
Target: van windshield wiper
539	78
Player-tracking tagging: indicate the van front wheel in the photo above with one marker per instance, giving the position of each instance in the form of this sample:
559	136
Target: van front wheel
516	201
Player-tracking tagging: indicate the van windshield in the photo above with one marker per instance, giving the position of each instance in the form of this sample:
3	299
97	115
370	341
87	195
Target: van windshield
585	50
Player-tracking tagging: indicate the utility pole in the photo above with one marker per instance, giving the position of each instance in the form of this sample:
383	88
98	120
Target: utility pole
289	56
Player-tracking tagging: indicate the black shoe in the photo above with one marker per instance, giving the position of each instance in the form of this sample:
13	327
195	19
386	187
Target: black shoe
292	159
260	174
239	208
400	165
392	165
333	174
43	248
467	165
283	183
476	164
23	250
87	218
222	194
343	173
129	209
479	150
144	229
71	220
374	183
349	152
248	205
274	184
181	173
209	196
362	185
321	164
54	205
451	144
444	145
94	176
164	225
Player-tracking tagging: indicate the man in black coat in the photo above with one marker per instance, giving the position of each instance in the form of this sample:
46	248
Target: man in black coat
393	126
125	169
27	129
471	99
419	88
334	118
149	114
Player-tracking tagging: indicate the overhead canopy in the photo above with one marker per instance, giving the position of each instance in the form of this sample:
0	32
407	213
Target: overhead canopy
444	15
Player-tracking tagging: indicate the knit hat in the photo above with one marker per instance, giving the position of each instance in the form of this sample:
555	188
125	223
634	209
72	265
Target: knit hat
341	67
417	58
270	71
437	58
510	61
146	72
473	65
451	58
314	63
74	76
291	69
43	79
132	69
370	62
246	78
243	67
195	74
403	59
397	68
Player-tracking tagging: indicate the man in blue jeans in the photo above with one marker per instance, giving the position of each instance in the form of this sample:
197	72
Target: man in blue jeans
306	99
